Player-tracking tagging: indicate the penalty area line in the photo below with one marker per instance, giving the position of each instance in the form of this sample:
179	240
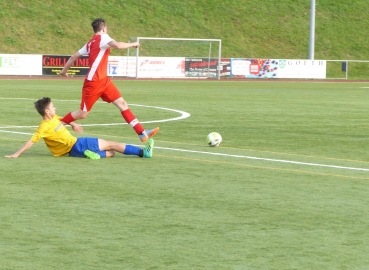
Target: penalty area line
267	159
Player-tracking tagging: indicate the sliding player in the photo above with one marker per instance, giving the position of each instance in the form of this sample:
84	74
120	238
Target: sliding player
60	142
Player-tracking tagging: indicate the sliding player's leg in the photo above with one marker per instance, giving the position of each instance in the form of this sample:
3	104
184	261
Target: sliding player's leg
88	147
127	149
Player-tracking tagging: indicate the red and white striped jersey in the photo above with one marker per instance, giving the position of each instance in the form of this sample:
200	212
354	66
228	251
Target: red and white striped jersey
98	51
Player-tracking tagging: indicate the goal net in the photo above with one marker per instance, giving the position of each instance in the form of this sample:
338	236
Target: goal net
174	58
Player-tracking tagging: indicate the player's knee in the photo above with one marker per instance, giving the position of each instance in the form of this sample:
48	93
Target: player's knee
83	115
110	153
121	104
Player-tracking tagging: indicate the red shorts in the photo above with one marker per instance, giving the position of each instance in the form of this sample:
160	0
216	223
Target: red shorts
93	90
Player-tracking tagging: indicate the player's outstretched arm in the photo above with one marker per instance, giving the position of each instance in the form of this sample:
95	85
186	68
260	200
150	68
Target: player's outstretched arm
123	45
69	63
21	150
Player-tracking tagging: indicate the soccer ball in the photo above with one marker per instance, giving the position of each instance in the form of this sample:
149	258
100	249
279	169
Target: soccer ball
214	139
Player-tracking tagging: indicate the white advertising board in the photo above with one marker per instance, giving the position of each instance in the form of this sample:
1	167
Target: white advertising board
122	66
20	64
278	68
240	67
161	67
174	67
305	69
148	67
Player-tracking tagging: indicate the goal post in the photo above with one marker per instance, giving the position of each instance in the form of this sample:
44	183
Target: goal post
175	58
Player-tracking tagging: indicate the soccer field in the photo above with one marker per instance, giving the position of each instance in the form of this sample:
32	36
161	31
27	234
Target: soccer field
287	188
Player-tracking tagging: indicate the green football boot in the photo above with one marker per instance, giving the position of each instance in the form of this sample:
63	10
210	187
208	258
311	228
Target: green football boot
147	151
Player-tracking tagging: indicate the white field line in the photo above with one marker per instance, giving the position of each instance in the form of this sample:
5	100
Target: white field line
23	133
268	159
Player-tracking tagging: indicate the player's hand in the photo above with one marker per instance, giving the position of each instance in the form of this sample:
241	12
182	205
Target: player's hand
12	156
64	74
136	45
77	128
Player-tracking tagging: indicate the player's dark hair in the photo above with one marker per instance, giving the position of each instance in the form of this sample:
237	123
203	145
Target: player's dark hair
42	104
98	24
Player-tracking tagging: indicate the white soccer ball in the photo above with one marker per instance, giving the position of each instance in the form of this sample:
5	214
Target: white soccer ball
214	139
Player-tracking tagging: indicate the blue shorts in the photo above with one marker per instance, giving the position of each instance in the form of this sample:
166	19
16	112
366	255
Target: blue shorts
83	144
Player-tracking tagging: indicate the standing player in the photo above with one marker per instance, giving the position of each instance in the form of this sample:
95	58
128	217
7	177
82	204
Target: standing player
97	84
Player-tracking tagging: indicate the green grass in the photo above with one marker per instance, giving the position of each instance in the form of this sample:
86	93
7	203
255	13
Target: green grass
188	209
248	28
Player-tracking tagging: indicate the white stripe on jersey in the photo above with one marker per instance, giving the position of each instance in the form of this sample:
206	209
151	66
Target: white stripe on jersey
105	39
84	107
95	65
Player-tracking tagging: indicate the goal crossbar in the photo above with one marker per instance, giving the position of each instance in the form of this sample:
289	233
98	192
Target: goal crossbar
209	55
192	39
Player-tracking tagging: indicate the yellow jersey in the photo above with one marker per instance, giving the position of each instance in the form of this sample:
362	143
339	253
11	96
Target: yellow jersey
56	136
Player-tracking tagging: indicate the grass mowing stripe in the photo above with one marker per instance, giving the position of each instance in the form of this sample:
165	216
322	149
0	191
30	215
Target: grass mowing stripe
246	157
11	139
183	115
246	149
264	167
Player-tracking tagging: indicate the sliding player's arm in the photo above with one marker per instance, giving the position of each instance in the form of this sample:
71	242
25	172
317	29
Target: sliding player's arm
26	146
69	63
